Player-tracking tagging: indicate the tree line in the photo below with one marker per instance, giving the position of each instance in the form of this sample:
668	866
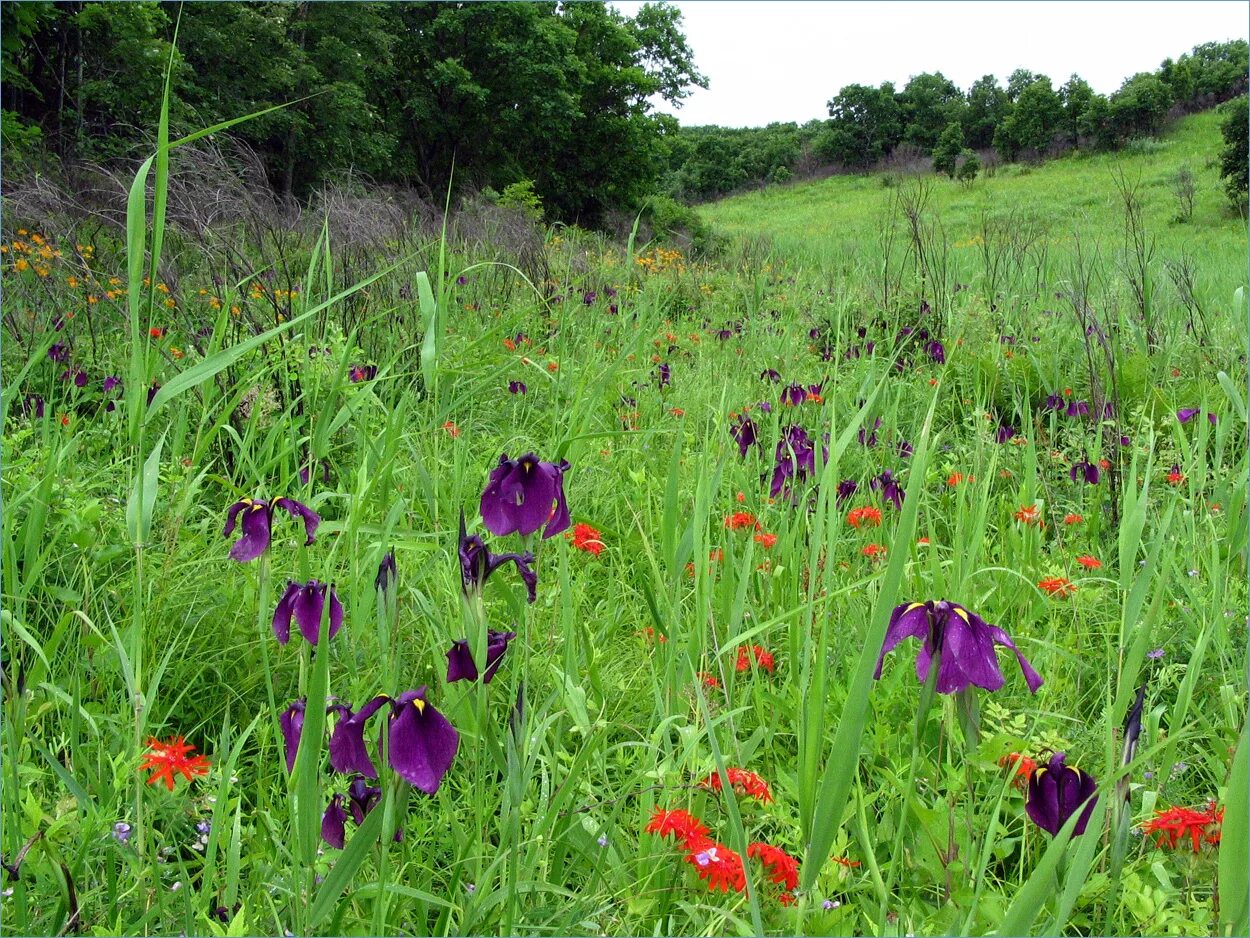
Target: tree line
930	116
416	94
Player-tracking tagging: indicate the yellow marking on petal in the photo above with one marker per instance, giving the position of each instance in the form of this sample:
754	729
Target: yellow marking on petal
911	607
419	704
1040	771
257	506
247	501
1073	768
963	614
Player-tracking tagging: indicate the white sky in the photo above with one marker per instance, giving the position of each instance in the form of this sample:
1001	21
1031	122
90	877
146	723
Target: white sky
781	60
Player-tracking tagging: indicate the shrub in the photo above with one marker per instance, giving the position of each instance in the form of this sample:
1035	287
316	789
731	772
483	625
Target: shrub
522	195
1233	158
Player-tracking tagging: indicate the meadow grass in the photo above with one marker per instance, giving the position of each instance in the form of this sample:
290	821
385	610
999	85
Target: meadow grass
709	621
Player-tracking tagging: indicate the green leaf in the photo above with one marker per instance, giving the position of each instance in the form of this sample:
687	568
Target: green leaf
1234	858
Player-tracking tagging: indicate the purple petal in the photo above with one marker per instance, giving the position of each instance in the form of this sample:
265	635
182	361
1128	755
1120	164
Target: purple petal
910	620
297	510
282	613
332	823
348	752
460	664
292	723
1031	677
422	743
967	653
255	539
1186	414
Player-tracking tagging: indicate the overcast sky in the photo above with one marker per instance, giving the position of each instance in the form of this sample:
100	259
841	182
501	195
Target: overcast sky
781	60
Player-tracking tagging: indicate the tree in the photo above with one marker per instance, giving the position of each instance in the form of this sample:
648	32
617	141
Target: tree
1076	95
1017	81
1234	169
1033	121
1139	107
929	103
987	107
865	125
949	147
969	166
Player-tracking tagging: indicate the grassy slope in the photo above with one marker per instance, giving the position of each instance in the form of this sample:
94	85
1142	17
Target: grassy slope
836	218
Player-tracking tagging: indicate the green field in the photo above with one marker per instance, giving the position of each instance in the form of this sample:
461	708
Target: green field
704	633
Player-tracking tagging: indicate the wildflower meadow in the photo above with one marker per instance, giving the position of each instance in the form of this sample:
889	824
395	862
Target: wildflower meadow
881	573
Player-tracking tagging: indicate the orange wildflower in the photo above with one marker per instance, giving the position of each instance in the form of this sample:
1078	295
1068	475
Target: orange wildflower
1057	586
166	758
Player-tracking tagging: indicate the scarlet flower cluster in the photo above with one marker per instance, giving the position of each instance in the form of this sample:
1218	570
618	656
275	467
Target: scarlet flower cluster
166	758
1024	766
858	517
1028	514
741	519
1200	825
763	658
1057	586
719	866
767	541
586	538
743	782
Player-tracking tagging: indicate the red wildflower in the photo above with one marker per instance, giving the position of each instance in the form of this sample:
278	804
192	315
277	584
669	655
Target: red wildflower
783	869
1173	824
873	550
1073	519
450	427
651	635
743	783
845	862
166	758
923	542
1057	586
741	519
763	659
1029	514
509	345
1024	768
719	866
767	540
956	477
857	517
709	680
1088	562
1176	477
741	496
677	823
156	332
586	538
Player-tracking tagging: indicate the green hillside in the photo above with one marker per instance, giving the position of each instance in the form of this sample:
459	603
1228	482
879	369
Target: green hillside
835	221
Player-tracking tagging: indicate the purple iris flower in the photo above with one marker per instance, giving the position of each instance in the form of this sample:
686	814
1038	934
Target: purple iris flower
795	458
80	379
358	373
905	449
1086	470
589	297
1056	792
111	382
851	353
461	280
937	351
770	374
963	642
258	521
292	723
664	375
387	574
765	407
745	434
793	395
1078	409
525	494
517	387
1005	433
462	667
33	404
305	473
361	798
477	563
869	439
1054	402
889	488
152	392
59	353
305	603
421	743
846	488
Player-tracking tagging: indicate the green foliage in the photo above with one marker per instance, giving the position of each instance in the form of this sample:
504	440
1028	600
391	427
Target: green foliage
949	147
1033	120
521	195
1233	156
865	125
929	103
987	106
969	166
